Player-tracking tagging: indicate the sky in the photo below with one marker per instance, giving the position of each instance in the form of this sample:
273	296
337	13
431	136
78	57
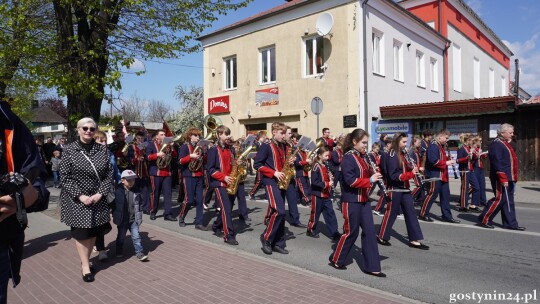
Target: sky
516	23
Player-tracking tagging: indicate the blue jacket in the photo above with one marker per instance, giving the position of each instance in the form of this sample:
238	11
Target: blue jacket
355	178
184	160
219	165
436	161
398	177
503	161
320	181
269	159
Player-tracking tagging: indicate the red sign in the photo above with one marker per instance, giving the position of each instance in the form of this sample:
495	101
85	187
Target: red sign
218	105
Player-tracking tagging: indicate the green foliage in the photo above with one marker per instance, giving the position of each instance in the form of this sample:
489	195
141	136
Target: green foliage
192	109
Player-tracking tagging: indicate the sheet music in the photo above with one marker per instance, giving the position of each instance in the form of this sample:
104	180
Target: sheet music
303	142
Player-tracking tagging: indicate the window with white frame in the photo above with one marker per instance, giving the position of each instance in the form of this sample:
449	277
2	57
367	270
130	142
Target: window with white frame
398	60
420	70
504	86
378	52
230	73
491	82
314	55
456	67
476	77
267	65
434	74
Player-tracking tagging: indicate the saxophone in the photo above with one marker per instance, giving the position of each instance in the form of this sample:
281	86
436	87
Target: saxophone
288	169
239	171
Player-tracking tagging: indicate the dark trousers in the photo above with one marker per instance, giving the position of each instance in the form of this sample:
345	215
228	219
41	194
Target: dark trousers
145	193
468	182
208	190
275	231
504	202
481	178
193	189
441	189
242	204
337	181
257	184
292	202
358	215
304	188
401	201
322	205
224	218
161	184
10	263
419	193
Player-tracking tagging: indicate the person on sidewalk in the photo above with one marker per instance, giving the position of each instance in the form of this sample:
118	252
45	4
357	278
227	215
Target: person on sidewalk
322	183
15	137
261	139
86	174
219	166
437	167
127	214
503	175
355	207
55	168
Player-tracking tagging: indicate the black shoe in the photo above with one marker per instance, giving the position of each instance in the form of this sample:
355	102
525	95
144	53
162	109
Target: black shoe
475	209
219	233
231	241
314	235
181	222
280	250
88	277
453	221
516	228
463	209
336	236
383	242
146	212
266	248
486	225
425	219
299	225
338	267
152	216
170	218
247	220
379	274
200	227
420	246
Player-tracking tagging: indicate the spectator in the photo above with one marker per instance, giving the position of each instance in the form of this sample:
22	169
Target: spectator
55	168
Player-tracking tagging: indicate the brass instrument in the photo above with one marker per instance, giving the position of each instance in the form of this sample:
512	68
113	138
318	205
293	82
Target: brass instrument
211	122
239	171
311	155
164	161
288	169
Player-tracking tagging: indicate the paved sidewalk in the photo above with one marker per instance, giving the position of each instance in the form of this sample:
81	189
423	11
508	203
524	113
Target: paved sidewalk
181	269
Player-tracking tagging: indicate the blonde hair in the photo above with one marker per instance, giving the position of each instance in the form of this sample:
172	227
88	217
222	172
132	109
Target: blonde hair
100	135
86	120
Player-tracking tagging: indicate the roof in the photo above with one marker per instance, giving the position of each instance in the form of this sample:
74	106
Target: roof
531	102
46	115
456	108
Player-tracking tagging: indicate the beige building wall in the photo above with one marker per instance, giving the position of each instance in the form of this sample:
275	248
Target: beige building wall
338	87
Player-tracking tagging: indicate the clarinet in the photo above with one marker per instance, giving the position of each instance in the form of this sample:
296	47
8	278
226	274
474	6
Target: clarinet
412	163
453	165
330	175
374	167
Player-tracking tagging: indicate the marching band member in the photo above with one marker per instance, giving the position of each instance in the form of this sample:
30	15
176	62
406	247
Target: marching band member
302	177
262	138
356	209
337	157
121	159
243	211
269	161
503	176
219	165
427	136
399	172
292	192
418	193
135	156
160	176
328	141
479	169
437	167
322	183
466	158
379	208
192	177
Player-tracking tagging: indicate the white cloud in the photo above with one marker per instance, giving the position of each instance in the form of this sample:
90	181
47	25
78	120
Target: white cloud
528	53
137	65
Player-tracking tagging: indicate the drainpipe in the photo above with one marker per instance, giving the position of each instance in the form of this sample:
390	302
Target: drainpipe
516	80
445	53
366	121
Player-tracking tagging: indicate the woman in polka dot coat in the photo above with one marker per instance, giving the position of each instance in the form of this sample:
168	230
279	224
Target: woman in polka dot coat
86	174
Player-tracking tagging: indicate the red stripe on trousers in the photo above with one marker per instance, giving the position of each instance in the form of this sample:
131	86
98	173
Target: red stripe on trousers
496	202
427	199
312	214
272	219
346	231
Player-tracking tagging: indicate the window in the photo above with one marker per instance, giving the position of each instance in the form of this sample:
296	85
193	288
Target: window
314	56
267	62
230	73
456	67
504	86
378	52
491	82
420	70
476	81
398	60
434	74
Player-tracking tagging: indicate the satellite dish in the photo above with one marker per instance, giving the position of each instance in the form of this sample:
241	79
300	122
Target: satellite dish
324	25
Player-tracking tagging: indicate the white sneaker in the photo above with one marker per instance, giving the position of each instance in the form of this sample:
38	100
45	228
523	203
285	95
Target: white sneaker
142	257
205	206
102	255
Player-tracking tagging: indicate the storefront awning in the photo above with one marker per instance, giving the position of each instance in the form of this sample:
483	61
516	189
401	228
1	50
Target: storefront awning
456	108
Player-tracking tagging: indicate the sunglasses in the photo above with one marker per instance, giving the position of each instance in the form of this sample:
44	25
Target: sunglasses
85	129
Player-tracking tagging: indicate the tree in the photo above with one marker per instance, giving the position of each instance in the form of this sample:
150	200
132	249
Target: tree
56	104
158	111
96	39
191	109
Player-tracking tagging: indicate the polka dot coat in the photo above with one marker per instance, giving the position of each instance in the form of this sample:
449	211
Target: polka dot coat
79	178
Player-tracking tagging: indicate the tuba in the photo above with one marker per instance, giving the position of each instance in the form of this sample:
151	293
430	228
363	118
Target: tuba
239	171
311	154
211	122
